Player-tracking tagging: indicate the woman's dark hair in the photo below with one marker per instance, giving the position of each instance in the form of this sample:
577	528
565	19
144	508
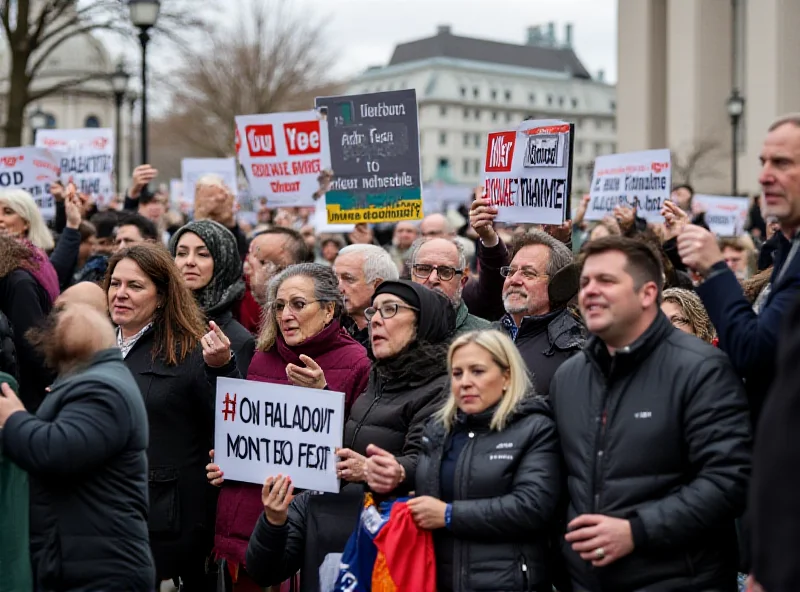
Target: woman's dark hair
178	321
14	254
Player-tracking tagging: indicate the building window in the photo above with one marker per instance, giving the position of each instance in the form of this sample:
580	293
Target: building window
613	125
91	121
574	103
508	117
444	164
466	113
477	140
463	92
598	124
476	92
494	115
550	100
598	149
560	101
466	166
476	166
466	139
442	138
578	146
613	105
51	121
494	95
532	98
443	111
579	171
508	95
477	113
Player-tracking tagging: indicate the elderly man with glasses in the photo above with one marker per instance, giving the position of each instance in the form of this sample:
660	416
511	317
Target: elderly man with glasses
441	265
539	285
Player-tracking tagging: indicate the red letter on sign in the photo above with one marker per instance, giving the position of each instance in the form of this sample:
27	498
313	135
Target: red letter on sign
500	152
260	141
302	137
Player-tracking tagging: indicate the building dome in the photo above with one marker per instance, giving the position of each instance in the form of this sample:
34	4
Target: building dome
81	54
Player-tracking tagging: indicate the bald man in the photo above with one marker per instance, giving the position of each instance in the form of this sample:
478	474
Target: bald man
87	293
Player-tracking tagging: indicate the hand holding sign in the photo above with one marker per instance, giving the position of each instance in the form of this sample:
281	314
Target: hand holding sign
384	473
481	217
216	347
72	206
142	175
214	474
311	376
675	219
276	495
699	249
626	217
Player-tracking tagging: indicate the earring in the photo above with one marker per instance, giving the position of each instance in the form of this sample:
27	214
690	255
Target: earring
505	388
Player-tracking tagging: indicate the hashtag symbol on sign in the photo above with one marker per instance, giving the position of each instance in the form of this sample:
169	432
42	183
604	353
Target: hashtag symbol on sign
230	407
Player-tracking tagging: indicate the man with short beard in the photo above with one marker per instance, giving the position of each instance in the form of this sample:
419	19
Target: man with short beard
441	265
538	319
85	453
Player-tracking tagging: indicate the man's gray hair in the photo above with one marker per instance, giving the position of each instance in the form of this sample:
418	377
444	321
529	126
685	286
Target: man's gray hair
560	254
378	264
792	118
417	245
326	289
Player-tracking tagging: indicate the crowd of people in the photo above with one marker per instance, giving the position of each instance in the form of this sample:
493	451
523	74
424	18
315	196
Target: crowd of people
596	406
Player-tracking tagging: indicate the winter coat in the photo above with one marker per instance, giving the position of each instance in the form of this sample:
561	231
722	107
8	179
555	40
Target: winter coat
546	342
484	295
346	369
505	488
85	454
466	322
658	434
26	304
774	511
180	404
317	529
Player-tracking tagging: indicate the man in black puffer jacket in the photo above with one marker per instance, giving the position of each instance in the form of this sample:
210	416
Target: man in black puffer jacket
85	453
655	433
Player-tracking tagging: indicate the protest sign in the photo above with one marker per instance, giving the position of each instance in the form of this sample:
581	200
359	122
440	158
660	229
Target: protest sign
527	172
194	168
636	179
85	157
31	169
282	155
263	429
175	191
374	148
321	220
725	216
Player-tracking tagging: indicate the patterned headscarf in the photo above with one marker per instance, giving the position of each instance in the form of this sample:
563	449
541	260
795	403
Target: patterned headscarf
226	285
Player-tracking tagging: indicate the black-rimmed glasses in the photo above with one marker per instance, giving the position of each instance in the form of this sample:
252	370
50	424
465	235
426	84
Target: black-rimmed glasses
387	310
445	272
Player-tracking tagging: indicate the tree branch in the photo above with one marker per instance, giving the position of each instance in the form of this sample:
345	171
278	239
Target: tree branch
64	85
46	52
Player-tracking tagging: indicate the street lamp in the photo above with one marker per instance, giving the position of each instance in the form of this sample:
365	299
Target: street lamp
132	97
38	120
735	106
144	14
119	84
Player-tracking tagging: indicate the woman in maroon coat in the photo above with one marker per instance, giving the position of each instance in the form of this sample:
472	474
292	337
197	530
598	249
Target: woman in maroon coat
303	344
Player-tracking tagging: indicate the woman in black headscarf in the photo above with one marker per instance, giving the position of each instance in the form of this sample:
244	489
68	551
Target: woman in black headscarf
207	256
410	329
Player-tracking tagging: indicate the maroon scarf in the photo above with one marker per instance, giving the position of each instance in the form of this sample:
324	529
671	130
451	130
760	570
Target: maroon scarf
43	271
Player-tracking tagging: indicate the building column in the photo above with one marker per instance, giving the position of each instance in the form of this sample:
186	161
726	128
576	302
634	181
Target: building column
642	69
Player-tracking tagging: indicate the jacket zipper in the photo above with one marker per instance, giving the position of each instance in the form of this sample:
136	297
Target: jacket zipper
360	424
461	482
599	444
524	566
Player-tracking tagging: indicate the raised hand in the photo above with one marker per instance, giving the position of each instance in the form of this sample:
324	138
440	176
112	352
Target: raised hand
216	347
311	376
276	495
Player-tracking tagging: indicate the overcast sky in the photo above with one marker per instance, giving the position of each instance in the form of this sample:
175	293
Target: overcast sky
364	32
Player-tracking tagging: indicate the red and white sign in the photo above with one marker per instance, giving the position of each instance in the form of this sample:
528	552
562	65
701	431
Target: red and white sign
282	155
31	169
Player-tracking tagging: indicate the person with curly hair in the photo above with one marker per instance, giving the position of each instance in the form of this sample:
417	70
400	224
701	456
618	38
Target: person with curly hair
686	312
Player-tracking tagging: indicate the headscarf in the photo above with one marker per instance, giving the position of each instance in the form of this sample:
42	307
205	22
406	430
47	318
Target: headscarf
226	284
436	318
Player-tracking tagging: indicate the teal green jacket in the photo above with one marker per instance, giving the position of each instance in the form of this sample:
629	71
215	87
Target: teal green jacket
15	554
466	322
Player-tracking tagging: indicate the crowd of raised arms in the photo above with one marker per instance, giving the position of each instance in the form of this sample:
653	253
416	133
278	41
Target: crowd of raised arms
605	406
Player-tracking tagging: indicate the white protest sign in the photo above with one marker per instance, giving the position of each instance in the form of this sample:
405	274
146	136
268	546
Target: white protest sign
31	169
194	168
282	155
86	157
321	220
263	429
526	172
725	216
175	191
642	179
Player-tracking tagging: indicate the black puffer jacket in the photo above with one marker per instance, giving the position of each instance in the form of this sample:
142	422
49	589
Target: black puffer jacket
506	487
8	351
545	343
658	434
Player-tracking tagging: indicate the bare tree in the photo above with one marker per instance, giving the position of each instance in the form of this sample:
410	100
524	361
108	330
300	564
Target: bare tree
274	59
34	30
696	163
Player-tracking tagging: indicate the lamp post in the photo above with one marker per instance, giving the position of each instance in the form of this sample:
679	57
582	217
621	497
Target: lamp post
37	120
144	14
735	109
119	84
132	97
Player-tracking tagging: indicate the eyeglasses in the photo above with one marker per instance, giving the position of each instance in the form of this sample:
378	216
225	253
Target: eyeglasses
387	310
296	305
529	273
445	272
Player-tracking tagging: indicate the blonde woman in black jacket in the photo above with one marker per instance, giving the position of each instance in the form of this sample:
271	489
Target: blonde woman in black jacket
488	478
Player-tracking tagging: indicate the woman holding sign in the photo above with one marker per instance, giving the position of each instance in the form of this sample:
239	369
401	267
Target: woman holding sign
175	361
207	256
302	343
488	478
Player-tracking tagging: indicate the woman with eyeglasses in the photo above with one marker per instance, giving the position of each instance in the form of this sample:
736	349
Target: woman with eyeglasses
302	343
410	328
686	312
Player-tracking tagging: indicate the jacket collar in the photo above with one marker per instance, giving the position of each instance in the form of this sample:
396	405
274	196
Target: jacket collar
323	342
462	312
102	357
627	359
